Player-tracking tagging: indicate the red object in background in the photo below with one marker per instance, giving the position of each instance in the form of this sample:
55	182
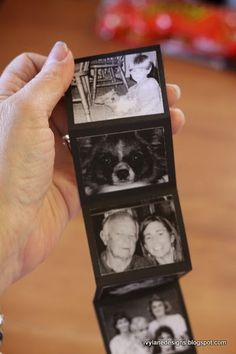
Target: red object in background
197	28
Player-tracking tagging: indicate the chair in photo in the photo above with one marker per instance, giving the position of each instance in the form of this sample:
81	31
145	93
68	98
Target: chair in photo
81	82
107	72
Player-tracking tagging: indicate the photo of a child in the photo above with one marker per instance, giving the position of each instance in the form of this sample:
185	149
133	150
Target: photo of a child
117	87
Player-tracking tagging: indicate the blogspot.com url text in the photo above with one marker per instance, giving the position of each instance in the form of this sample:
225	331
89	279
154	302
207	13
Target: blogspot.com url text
189	342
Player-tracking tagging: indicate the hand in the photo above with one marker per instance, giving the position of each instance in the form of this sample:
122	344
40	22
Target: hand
177	115
38	192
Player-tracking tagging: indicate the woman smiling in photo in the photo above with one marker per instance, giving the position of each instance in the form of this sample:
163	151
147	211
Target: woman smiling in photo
160	241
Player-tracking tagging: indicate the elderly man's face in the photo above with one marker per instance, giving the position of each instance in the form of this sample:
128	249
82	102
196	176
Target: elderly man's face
121	237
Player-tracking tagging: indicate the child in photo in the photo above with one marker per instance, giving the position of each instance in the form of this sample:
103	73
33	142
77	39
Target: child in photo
143	98
165	337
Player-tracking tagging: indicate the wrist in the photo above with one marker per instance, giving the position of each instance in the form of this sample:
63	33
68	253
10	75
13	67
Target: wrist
10	236
8	261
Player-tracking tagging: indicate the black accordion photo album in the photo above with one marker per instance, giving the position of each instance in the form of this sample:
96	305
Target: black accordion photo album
119	131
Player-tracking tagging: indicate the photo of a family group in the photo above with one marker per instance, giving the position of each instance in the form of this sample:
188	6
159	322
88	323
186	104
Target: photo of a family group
124	160
116	87
151	322
137	237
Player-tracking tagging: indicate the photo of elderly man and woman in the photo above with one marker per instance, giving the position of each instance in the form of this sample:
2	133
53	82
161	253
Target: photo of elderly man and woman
151	322
116	87
138	237
124	160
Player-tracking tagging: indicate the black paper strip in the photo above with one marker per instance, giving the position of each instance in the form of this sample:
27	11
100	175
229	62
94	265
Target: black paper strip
121	141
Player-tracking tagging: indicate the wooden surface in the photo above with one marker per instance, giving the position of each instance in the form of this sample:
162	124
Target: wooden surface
50	311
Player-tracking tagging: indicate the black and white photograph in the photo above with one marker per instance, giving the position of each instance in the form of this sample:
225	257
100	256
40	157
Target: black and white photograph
151	321
129	159
138	237
116	87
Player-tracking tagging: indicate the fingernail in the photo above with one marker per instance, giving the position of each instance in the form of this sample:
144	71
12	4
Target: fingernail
177	90
58	52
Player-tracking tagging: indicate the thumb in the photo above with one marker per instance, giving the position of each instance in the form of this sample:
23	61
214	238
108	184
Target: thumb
44	91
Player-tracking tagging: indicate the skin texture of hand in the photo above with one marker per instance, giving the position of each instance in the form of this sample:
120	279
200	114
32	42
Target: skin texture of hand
38	192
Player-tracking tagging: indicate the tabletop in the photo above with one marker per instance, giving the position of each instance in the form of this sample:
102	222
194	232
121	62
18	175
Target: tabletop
50	310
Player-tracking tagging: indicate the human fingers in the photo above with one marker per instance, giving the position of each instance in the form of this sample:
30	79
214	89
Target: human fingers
177	119
40	95
173	93
20	70
25	128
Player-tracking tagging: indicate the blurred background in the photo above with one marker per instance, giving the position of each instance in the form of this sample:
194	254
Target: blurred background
51	310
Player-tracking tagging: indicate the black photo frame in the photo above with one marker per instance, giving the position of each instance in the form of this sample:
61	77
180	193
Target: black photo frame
122	161
83	70
150	205
122	130
124	164
136	306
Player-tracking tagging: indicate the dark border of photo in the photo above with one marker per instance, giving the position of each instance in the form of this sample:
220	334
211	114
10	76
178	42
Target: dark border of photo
99	304
109	196
174	270
118	121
